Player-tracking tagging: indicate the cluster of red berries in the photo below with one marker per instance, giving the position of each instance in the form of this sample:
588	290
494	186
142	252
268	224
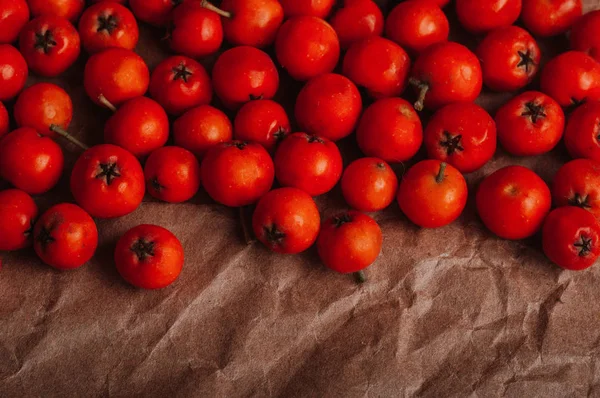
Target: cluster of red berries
237	162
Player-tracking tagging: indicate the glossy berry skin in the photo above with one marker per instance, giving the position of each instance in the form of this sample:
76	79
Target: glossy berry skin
577	183
50	45
307	47
179	84
513	202
416	25
13	72
530	124
349	242
369	184
201	128
262	121
315	8
43	105
242	74
461	134
384	78
69	9
550	17
328	106
108	182
236	173
4	122
357	20
154	12
252	22
18	212
572	78
172	174
479	16
117	74
140	125
571	238
445	73
286	220
307	162
432	194
510	58
30	162
14	16
149	257
582	135
585	34
197	31
65	237
106	25
390	129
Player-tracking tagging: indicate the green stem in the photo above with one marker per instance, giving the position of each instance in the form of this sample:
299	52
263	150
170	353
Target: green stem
209	6
63	133
106	103
440	177
423	89
244	221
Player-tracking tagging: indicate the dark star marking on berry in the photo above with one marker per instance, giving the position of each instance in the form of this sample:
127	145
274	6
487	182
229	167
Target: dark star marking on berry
584	245
108	23
274	236
155	184
452	143
341	219
534	111
313	138
143	249
44	41
182	72
580	201
44	237
526	61
108	172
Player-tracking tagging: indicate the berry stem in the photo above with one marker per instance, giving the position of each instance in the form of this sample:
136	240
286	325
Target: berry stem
63	133
440	177
423	89
244	221
360	277
106	103
209	6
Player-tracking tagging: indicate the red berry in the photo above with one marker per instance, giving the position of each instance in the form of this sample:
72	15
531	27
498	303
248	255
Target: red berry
316	8
582	136
242	74
236	173
107	25
14	16
328	106
262	121
585	34
571	78
384	78
108	182
4	122
42	106
577	183
432	194
69	9
196	32
445	73
18	212
201	128
50	45
513	202
307	47
308	162
149	257
117	74
65	237
462	135
480	16
286	220
390	129
29	161
510	58
251	22
571	238
172	174
550	17
154	12
530	124
13	72
357	20
369	184
140	125
416	25
179	84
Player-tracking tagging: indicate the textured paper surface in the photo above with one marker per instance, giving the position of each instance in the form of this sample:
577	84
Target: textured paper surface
448	312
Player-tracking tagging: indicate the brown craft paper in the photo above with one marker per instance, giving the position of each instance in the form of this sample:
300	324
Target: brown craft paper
445	313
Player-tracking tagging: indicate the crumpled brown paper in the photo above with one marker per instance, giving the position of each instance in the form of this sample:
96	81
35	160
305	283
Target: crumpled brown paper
447	312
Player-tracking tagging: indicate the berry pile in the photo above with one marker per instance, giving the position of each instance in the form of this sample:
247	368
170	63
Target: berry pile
352	82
